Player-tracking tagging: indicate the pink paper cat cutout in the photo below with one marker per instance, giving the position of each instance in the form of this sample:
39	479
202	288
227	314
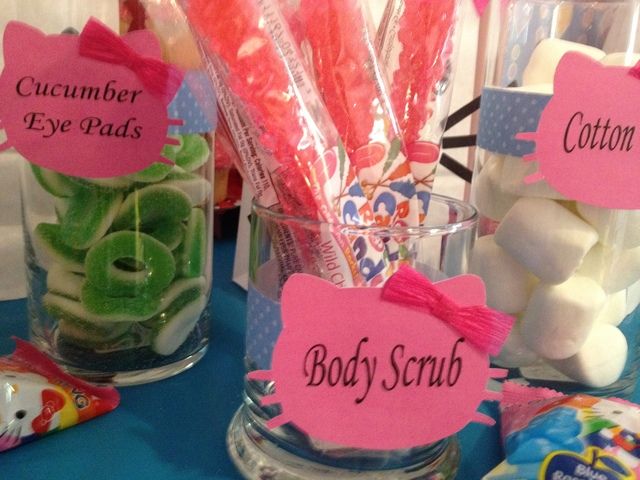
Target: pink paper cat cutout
347	367
588	137
77	115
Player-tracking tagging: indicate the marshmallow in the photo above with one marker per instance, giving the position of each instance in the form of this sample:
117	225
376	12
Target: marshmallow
546	238
508	284
620	228
633	298
489	197
559	318
612	268
545	88
515	170
621	59
601	359
614	310
515	353
546	56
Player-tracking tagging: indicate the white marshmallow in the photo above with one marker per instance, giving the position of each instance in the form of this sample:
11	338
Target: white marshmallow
489	197
621	59
612	268
515	353
546	56
515	170
545	88
508	284
614	310
559	318
601	359
620	228
546	238
633	298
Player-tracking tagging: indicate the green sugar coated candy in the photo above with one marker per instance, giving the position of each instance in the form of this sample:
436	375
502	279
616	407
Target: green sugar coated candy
194	153
55	183
48	238
138	308
89	216
191	256
158	265
152	205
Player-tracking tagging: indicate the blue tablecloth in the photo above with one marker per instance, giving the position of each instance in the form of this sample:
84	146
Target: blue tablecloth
175	429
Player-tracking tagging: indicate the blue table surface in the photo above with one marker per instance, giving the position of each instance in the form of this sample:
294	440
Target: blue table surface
175	429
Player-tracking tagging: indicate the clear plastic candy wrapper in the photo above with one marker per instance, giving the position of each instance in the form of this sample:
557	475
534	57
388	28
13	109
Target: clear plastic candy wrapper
38	398
577	437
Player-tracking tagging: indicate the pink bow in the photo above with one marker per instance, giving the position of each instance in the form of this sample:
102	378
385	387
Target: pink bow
100	43
484	327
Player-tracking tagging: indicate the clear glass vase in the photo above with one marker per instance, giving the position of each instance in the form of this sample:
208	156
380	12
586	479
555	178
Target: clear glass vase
119	268
439	249
569	272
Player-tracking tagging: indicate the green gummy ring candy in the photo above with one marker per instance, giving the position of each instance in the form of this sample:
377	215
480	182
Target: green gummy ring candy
89	216
64	283
194	153
157	171
63	308
152	205
176	323
113	183
192	254
48	238
158	265
194	186
137	309
55	183
171	234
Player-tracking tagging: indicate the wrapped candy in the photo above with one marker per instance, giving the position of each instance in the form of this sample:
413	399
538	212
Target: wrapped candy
415	41
340	39
38	398
256	66
549	435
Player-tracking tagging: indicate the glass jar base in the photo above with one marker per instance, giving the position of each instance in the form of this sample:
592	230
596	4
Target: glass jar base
125	378
257	457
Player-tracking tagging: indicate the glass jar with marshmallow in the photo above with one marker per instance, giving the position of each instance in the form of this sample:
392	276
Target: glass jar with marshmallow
568	270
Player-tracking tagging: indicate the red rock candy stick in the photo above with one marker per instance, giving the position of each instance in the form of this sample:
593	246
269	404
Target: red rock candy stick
263	70
354	89
415	43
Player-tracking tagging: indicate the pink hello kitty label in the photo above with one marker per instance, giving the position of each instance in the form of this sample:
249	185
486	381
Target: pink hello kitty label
588	137
352	369
84	105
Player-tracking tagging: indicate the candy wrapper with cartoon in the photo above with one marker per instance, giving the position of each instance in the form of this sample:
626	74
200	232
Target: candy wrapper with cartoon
575	437
38	398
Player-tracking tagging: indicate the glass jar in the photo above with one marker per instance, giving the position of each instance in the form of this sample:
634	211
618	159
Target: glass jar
439	249
568	271
119	268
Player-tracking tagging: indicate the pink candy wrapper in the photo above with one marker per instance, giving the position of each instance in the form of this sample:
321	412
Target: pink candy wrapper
38	398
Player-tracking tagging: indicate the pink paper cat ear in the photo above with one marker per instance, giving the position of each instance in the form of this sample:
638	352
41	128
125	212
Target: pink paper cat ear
570	71
17	35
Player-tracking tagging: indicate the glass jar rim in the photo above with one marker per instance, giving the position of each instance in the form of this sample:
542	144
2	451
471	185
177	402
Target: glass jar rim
469	218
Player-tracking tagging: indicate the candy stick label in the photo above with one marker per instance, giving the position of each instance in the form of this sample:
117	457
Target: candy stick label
354	370
83	105
588	139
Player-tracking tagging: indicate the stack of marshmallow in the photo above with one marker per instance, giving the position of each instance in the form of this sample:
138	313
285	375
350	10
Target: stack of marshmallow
568	271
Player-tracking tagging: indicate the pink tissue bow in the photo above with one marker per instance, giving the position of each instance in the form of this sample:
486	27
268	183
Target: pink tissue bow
485	328
98	42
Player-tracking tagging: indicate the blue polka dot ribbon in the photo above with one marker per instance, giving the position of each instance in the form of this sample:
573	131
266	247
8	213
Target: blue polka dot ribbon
195	104
503	114
264	325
